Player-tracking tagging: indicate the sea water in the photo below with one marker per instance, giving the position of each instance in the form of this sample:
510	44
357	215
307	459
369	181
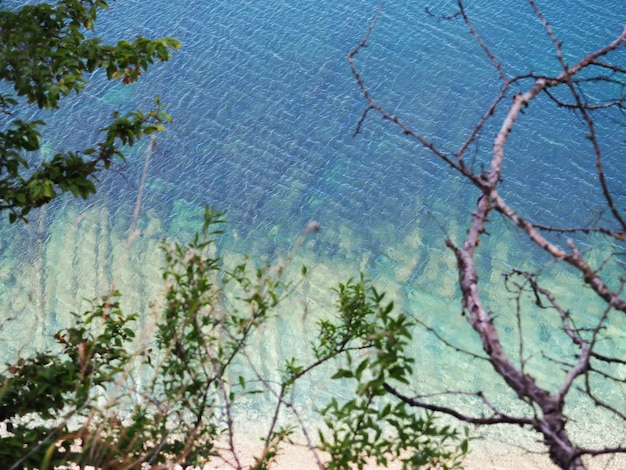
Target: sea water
264	108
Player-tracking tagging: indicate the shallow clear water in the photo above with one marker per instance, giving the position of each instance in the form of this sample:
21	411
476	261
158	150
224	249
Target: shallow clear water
264	108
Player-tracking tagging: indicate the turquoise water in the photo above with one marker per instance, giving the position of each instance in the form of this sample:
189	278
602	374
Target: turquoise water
264	108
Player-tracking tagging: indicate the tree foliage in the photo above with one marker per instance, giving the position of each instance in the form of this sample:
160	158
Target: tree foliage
46	50
113	399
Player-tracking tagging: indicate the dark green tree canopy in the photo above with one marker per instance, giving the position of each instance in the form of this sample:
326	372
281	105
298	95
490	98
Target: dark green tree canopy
45	52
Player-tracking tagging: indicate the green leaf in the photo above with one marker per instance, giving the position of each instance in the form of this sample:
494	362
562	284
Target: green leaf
47	56
342	373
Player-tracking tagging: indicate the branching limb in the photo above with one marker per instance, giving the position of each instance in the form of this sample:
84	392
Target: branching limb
581	107
497	418
496	64
573	258
372	105
618	235
434	332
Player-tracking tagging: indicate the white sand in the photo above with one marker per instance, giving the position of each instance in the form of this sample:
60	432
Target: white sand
484	455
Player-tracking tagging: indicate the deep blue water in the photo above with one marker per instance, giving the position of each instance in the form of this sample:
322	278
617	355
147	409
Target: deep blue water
264	108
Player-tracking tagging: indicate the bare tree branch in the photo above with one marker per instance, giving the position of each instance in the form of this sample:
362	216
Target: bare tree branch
549	418
482	44
499	418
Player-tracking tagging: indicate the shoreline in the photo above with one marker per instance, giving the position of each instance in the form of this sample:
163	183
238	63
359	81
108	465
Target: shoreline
486	454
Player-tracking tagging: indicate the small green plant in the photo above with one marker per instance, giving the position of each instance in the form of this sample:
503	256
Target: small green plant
49	402
82	404
373	426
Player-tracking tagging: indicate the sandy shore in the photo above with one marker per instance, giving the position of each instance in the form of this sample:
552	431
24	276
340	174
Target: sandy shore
484	455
